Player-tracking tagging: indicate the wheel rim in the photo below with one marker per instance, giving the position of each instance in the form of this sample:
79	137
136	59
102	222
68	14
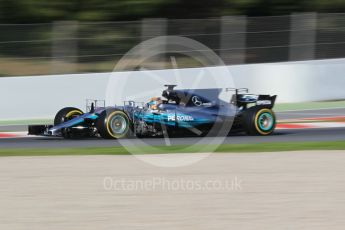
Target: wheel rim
266	121
118	124
72	114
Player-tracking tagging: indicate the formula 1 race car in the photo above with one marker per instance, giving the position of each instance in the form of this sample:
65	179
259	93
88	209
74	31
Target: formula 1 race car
177	112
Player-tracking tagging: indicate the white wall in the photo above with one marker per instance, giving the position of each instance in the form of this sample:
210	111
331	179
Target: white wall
42	96
295	81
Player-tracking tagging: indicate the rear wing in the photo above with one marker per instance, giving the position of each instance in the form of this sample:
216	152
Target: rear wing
242	98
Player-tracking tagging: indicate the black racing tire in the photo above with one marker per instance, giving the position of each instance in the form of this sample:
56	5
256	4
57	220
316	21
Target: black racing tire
259	120
114	124
66	114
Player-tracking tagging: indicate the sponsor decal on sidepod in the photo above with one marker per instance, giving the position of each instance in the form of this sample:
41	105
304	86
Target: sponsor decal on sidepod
172	117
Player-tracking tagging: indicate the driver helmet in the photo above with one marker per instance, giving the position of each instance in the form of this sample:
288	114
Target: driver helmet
154	102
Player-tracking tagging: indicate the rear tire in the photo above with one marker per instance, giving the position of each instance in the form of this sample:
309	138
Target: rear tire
113	124
66	114
259	121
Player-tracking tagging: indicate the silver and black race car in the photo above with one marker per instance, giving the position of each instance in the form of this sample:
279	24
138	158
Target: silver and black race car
176	112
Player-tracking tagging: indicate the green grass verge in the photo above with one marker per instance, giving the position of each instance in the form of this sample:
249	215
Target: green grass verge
26	122
309	105
226	148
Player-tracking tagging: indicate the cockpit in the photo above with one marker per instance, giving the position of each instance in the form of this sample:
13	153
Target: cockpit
154	103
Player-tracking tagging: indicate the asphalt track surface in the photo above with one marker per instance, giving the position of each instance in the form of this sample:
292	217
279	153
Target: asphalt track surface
291	135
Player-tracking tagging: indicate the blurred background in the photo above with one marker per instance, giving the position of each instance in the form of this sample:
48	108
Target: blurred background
41	37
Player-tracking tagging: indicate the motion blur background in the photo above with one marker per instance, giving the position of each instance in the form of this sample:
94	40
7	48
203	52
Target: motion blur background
39	37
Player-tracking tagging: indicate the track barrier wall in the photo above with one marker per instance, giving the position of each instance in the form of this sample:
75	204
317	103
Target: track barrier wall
38	97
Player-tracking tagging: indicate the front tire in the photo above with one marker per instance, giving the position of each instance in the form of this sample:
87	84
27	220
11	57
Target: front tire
66	114
113	124
259	121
